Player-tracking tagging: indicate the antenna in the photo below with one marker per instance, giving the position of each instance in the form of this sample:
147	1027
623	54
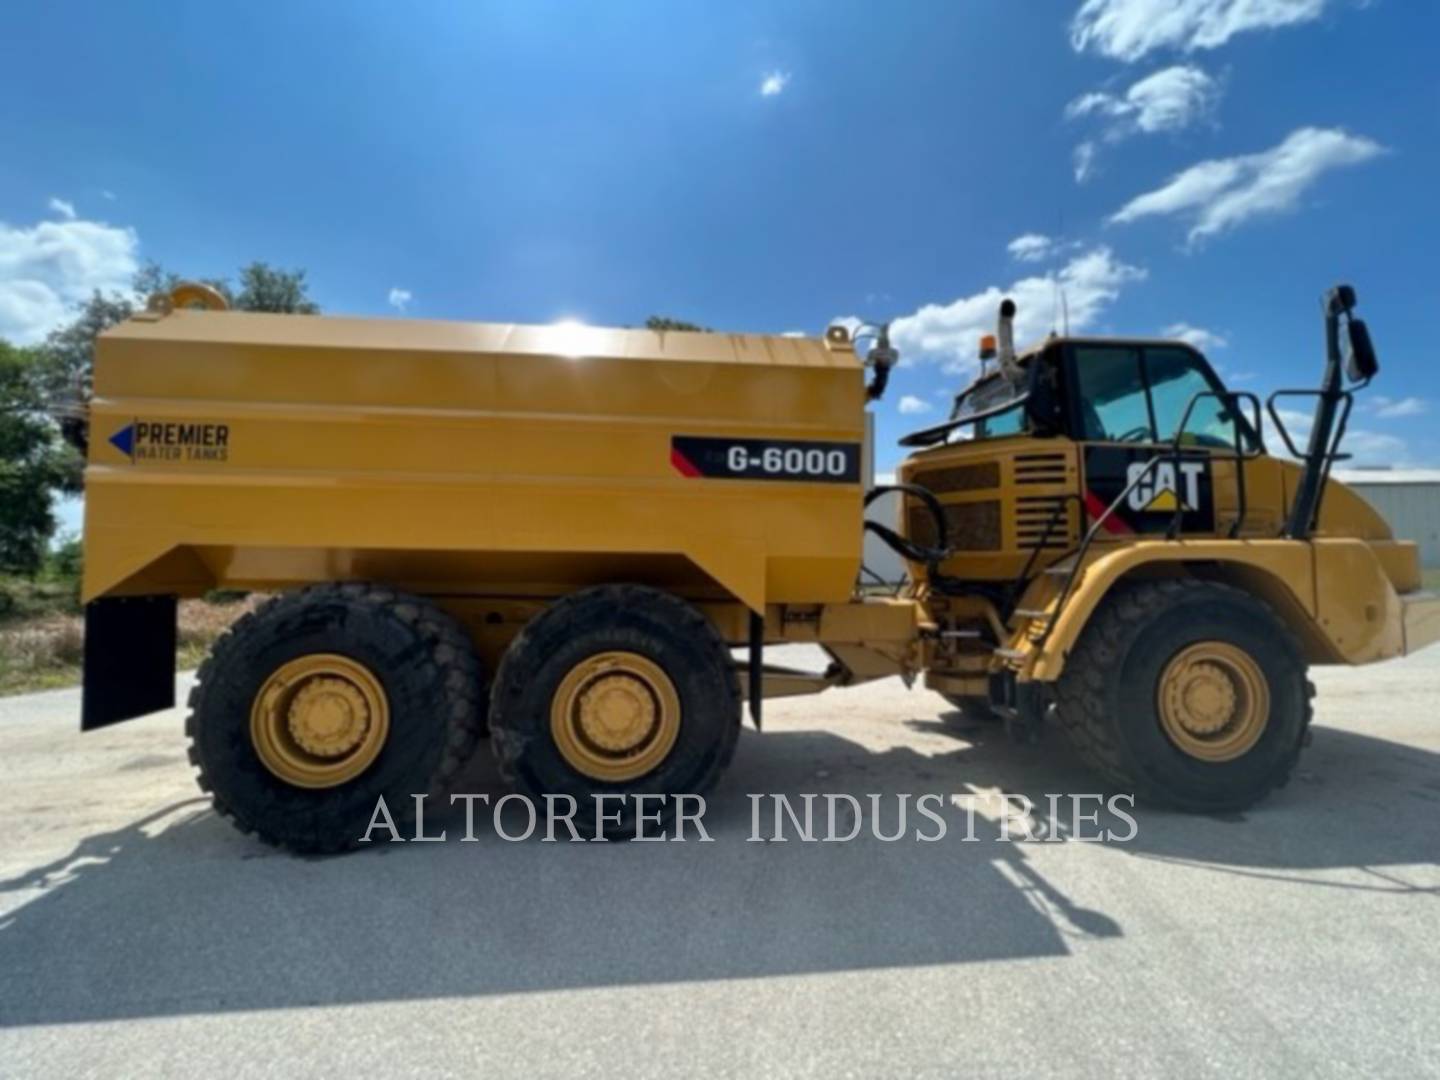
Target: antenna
1059	283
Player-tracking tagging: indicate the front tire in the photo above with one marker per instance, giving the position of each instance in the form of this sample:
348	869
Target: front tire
616	690
1188	694
315	706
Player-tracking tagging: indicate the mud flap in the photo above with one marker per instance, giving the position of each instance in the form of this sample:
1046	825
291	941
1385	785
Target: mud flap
129	659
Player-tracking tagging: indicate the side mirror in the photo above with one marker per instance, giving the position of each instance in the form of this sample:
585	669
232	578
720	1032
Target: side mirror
1361	363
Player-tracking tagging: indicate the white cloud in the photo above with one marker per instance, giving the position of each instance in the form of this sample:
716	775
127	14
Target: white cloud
1390	409
949	333
108	195
1223	193
1169	100
1129	29
1037	247
774	83
910	405
399	298
1032	247
61	207
1198	336
1084	161
46	268
1374	448
1366	447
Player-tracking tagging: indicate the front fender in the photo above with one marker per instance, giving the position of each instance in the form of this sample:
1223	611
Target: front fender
1281	571
1333	593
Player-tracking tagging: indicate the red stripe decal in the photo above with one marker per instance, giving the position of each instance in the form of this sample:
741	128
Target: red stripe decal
1113	525
682	463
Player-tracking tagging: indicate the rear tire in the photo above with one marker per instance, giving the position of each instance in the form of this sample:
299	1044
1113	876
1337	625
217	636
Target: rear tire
409	662
667	664
1116	698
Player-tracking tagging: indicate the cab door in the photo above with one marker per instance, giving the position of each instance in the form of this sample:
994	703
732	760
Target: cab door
1128	399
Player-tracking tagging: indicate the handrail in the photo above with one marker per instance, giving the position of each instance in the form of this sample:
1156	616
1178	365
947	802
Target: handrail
1174	453
1230	399
1323	461
1016	586
1090	535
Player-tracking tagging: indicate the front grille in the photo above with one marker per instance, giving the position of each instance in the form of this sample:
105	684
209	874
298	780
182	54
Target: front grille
1041	468
1033	513
971	526
972	477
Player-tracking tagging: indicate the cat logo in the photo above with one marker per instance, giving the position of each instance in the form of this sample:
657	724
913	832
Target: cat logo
1164	490
1160	490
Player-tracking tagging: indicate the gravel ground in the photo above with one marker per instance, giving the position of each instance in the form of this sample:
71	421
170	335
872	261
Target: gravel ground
140	935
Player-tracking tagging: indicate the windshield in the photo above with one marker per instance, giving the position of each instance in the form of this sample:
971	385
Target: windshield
995	405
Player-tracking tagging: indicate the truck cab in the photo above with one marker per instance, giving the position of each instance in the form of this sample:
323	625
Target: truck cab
1084	462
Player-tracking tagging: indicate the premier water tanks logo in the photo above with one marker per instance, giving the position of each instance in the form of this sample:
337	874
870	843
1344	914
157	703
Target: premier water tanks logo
174	441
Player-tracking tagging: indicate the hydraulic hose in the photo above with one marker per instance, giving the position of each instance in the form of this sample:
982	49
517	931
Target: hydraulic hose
903	546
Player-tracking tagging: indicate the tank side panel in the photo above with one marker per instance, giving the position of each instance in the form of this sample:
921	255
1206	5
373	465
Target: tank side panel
323	453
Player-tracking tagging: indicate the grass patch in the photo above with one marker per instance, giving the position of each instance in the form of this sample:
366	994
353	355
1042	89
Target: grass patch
22	599
44	652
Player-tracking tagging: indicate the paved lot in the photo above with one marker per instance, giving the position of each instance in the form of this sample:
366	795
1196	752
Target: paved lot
141	935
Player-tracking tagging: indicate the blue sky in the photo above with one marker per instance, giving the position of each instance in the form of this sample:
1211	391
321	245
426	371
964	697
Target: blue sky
760	167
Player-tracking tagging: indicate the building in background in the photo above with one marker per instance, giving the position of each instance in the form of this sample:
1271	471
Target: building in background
880	560
1409	499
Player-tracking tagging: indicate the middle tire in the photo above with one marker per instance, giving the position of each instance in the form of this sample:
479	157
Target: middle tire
615	690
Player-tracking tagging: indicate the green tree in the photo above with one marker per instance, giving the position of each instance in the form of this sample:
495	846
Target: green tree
263	288
67	358
34	463
153	278
664	322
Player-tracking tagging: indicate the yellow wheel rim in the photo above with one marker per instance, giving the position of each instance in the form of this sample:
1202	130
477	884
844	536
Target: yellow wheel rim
319	720
1214	701
615	716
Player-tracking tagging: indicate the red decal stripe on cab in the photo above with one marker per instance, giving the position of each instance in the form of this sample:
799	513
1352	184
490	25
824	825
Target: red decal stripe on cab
1095	508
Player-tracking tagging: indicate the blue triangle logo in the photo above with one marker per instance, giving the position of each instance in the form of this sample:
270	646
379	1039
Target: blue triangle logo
124	440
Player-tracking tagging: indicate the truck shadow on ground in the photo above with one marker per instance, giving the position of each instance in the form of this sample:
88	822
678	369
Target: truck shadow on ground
179	914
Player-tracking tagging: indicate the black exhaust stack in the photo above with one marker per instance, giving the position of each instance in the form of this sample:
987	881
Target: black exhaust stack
1352	355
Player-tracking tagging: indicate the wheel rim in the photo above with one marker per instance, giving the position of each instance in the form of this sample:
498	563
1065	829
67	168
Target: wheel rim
615	716
1214	701
319	720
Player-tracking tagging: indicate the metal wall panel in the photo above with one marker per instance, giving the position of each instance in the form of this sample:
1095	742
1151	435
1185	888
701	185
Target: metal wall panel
1413	511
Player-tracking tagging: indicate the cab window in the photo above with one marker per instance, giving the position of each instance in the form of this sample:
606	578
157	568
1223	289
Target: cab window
1130	394
1006	423
1113	404
1175	377
992	394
